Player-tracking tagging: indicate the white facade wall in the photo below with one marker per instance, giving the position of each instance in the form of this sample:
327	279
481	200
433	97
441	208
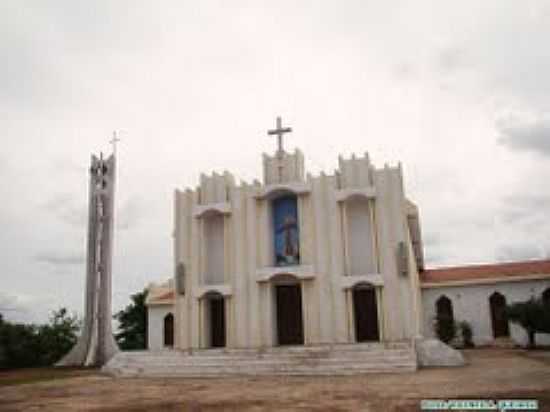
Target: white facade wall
249	274
471	304
155	325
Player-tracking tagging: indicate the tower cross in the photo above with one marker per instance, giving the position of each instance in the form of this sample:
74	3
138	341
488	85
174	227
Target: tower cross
114	141
279	131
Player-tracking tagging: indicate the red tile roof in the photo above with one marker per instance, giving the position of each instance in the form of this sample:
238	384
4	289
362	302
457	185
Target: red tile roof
164	296
491	271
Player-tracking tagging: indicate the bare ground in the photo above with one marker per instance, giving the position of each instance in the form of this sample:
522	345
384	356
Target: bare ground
491	374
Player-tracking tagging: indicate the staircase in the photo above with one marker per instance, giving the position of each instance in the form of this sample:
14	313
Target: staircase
339	359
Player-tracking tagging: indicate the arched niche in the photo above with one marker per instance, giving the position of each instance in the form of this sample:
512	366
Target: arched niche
285	229
213	224
360	236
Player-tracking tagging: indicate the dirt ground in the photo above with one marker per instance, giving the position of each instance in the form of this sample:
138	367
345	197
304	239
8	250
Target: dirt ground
490	374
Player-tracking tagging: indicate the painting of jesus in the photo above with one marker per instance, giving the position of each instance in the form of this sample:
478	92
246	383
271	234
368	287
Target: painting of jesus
286	233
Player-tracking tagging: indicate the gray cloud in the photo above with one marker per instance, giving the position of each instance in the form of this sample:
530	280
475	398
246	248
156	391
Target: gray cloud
521	251
19	308
10	303
60	259
130	213
68	209
528	136
451	59
518	209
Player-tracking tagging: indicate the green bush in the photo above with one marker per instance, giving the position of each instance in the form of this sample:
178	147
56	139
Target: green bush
467	334
445	328
532	315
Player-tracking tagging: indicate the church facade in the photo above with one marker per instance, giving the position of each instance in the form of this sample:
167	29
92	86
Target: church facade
295	259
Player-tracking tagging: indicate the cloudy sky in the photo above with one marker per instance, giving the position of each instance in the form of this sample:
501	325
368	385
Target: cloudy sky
457	91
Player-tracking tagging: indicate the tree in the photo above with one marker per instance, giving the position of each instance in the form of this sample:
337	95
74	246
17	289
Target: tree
133	323
23	346
532	315
57	337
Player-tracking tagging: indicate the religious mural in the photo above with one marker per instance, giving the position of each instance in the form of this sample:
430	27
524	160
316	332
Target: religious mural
286	233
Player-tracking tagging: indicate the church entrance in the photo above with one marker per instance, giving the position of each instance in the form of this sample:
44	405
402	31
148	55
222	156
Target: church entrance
497	302
290	325
365	310
216	309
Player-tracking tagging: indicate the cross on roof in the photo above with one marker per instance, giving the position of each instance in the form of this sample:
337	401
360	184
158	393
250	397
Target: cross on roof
279	131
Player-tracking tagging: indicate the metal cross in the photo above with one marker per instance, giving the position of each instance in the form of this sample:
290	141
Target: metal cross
114	141
279	131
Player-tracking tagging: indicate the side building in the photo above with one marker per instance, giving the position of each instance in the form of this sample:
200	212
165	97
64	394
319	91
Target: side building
478	295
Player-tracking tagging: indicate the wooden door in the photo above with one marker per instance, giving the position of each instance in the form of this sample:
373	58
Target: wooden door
217	322
290	328
365	310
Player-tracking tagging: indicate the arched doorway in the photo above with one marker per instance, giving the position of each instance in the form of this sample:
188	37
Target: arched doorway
289	318
497	302
444	308
168	329
365	312
546	297
215	316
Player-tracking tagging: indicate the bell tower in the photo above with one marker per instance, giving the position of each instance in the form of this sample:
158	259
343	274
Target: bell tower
96	345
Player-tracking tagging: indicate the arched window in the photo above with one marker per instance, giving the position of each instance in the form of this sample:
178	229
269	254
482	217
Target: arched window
169	330
214	248
497	303
444	308
286	235
445	322
361	259
546	297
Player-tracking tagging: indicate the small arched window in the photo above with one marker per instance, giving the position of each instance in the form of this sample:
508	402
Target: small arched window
169	330
444	308
497	304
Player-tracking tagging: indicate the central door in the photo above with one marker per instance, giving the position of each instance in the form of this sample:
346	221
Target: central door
366	315
217	322
290	326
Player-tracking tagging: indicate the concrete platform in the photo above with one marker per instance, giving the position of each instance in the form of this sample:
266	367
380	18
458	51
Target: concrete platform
341	359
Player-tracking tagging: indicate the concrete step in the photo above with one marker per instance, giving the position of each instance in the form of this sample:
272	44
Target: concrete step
342	359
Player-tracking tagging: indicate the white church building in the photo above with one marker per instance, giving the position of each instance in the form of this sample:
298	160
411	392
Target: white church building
306	260
294	260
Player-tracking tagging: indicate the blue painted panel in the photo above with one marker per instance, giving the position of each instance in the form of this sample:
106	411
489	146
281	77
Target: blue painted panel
285	227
